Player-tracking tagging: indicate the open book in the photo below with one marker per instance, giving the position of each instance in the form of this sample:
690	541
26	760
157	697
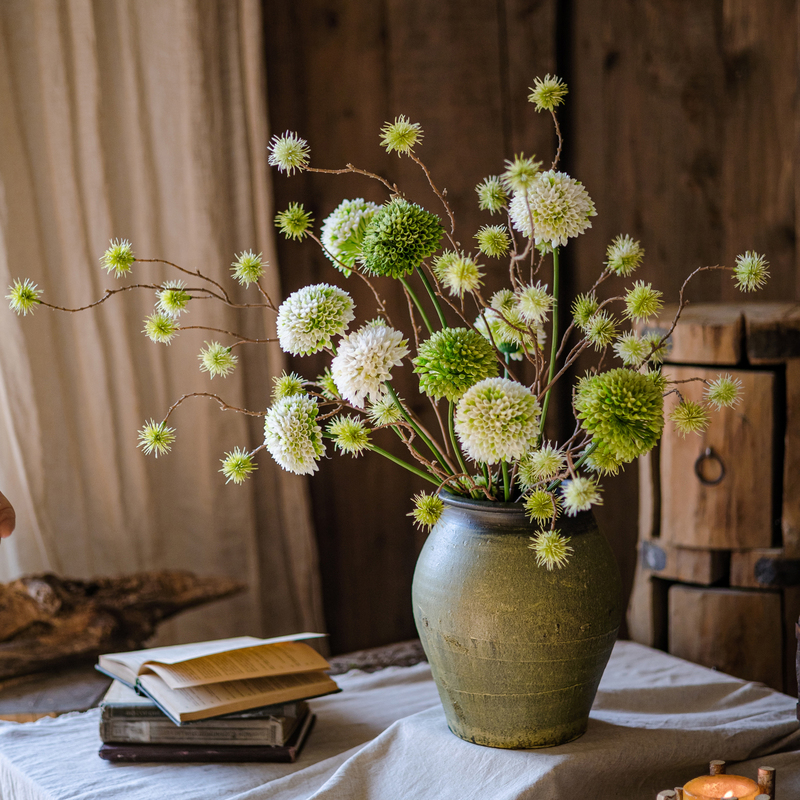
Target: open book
197	681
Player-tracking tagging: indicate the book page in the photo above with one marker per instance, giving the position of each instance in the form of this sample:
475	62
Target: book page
213	699
250	662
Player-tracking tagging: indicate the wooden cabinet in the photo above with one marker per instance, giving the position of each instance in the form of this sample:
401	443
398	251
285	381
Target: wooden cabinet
718	577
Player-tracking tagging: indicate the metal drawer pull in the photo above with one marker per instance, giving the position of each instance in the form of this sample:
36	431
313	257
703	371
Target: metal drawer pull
708	455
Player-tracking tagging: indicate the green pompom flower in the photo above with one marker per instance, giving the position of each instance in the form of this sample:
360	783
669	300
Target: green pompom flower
172	298
631	349
551	549
237	465
534	303
493	240
603	463
23	296
399	236
724	392
457	273
217	359
539	465
156	437
288	153
343	231
750	272
689	417
160	327
294	222
248	268
497	419
452	360
311	316
540	505
292	435
642	302
350	434
492	195
624	255
520	173
384	411
601	330
547	93
584	307
623	411
287	384
427	510
118	258
580	494
401	135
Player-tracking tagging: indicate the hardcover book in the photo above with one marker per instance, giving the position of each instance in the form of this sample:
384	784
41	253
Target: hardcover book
187	753
129	718
209	679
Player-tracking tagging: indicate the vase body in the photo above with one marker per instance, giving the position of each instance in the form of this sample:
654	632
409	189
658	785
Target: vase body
516	651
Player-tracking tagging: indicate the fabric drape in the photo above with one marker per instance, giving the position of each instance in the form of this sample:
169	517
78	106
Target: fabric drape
143	120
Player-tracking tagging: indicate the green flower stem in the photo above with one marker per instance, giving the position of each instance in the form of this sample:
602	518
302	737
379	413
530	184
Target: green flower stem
421	310
553	346
578	464
506	483
451	430
431	446
434	299
405	464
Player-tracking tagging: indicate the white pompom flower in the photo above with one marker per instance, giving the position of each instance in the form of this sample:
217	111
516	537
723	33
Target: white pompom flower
343	232
292	435
559	206
311	316
364	361
497	419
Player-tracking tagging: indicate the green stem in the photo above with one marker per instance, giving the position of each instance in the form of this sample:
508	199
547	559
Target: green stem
488	475
451	430
431	446
434	299
419	472
578	464
506	484
553	346
421	310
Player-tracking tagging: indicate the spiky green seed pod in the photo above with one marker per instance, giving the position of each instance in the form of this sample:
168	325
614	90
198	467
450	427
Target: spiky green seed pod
23	296
216	359
580	494
539	465
288	153
401	135
350	434
724	392
601	330
642	302
547	93
551	549
540	506
160	327
623	411
156	437
520	173
247	268
624	255
399	236
427	510
118	258
384	411
751	271
286	384
584	307
689	417
452	360
631	349
237	465
492	195
493	240
294	222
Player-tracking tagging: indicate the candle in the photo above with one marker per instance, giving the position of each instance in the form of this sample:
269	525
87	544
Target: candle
716	787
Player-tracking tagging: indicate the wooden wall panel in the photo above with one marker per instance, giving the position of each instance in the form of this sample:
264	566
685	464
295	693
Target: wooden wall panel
681	123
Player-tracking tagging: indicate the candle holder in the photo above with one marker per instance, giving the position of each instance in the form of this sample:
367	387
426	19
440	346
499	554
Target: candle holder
718	785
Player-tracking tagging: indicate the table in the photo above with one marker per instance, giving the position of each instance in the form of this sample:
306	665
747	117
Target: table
657	722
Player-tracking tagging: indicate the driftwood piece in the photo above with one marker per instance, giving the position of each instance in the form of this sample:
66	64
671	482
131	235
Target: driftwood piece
47	621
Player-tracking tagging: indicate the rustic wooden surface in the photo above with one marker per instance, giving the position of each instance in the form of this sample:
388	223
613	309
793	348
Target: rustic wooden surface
790	518
680	122
48	621
734	631
737	512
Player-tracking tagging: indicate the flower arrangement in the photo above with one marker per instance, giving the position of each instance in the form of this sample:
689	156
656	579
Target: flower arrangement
467	351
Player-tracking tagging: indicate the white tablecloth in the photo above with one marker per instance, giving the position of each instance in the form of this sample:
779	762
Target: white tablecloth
656	723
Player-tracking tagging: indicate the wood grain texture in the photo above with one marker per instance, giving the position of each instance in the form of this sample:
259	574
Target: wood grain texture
790	518
737	512
734	631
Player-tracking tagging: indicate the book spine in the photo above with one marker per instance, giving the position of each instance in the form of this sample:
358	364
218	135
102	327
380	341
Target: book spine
143	731
163	754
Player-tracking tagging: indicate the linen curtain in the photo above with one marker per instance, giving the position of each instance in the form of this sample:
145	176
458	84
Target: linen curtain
144	120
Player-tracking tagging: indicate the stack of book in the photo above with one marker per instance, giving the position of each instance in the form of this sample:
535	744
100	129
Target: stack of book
237	699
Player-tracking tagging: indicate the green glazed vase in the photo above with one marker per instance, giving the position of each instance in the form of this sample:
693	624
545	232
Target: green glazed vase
516	651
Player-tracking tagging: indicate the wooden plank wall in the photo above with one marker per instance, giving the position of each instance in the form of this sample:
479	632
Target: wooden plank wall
681	124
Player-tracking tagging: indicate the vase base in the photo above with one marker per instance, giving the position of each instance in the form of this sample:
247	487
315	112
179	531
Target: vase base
524	740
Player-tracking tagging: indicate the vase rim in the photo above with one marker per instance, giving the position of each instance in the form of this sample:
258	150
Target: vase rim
493	506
